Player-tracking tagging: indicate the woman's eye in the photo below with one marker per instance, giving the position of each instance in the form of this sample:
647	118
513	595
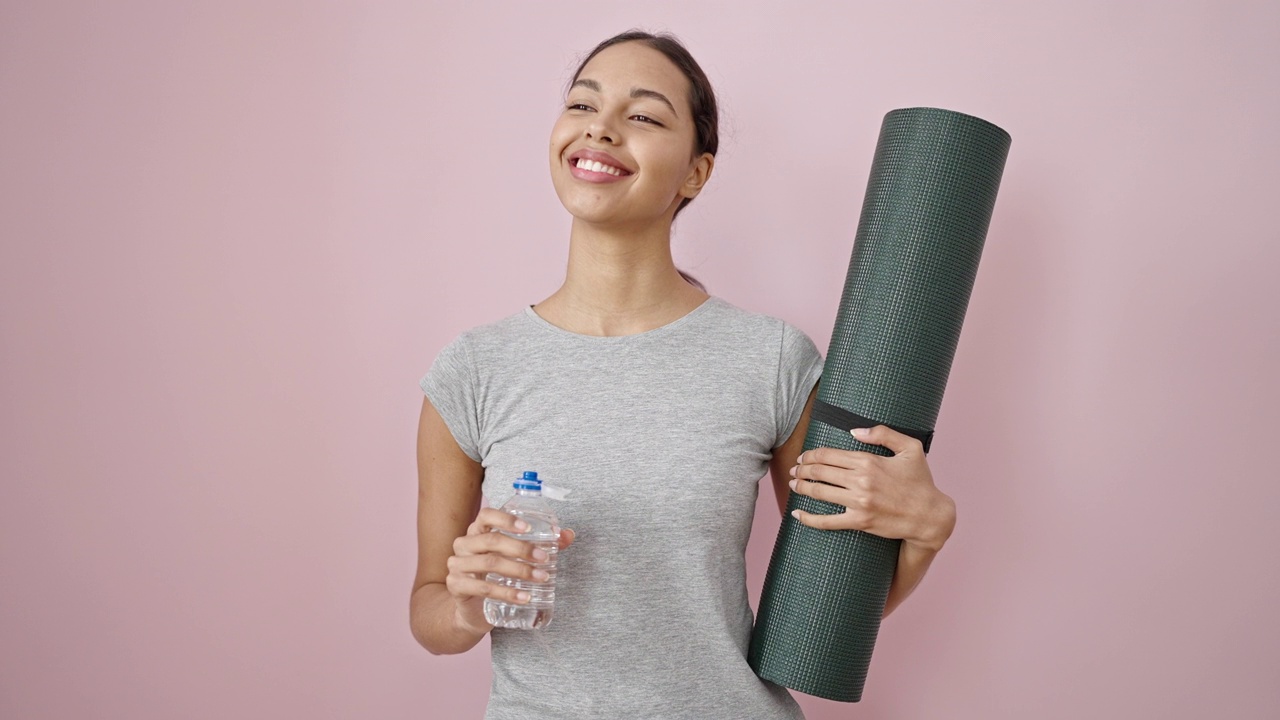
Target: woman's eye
578	106
646	118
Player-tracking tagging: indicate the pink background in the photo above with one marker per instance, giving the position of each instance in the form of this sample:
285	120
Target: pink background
235	235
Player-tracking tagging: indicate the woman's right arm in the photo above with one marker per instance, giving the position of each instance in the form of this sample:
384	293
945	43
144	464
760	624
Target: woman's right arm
455	546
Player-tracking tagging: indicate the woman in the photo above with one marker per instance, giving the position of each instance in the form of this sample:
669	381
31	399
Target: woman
660	407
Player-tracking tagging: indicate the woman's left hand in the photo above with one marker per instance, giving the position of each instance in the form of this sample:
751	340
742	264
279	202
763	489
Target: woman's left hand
893	497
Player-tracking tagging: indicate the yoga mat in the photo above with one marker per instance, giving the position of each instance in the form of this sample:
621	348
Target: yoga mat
924	219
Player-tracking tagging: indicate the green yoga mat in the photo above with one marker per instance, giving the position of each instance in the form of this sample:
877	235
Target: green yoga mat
924	220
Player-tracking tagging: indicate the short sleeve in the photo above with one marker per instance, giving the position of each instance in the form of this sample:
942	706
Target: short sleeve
799	367
450	386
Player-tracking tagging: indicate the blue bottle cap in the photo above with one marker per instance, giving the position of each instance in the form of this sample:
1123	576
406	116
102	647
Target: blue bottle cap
528	481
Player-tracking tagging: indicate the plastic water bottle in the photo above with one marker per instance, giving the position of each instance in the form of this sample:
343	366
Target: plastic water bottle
528	505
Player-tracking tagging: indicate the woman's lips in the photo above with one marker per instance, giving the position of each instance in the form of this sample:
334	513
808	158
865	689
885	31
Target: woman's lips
595	166
593	176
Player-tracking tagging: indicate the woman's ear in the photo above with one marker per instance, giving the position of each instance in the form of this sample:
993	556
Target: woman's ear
699	174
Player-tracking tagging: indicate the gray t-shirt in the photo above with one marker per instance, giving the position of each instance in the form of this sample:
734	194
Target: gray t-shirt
661	438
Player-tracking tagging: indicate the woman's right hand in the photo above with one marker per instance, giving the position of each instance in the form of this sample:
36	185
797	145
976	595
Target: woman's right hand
482	551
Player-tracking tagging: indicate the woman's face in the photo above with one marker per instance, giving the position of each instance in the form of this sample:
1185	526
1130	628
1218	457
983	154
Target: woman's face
629	112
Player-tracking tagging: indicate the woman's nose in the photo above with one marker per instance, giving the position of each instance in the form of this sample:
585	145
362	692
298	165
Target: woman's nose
599	129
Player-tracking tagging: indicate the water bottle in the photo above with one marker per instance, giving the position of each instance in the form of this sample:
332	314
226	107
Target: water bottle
528	505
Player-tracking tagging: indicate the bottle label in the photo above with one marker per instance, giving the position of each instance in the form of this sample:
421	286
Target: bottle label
554	493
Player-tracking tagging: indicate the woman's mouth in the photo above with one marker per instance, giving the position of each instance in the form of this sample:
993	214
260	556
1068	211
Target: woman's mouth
596	167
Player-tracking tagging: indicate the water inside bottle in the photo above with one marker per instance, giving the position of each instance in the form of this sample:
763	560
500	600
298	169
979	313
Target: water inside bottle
537	612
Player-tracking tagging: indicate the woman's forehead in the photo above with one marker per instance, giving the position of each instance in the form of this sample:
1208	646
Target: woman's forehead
621	67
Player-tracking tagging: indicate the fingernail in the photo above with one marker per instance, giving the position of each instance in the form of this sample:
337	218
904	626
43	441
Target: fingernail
539	554
540	575
794	469
795	514
522	596
522	525
860	432
793	484
800	458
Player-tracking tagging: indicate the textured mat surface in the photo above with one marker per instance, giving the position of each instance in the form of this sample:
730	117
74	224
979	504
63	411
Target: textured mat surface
924	220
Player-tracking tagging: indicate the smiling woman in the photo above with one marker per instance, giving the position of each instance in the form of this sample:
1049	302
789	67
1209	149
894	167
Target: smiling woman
659	406
701	99
619	114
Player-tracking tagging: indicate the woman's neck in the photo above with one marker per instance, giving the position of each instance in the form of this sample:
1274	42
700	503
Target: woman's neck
619	283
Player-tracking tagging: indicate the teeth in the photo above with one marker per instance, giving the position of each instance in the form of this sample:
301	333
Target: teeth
586	164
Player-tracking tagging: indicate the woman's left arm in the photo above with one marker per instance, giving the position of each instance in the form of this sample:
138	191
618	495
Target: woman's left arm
893	497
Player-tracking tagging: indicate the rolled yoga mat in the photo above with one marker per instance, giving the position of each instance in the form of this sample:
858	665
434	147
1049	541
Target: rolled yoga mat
915	257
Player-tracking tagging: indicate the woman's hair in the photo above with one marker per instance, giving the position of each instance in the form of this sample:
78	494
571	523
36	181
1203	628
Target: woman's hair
702	99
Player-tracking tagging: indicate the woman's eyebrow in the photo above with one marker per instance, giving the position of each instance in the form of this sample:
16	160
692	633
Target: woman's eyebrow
635	93
641	92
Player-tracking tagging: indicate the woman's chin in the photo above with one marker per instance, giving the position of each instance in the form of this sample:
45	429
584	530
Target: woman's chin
594	214
610	215
592	218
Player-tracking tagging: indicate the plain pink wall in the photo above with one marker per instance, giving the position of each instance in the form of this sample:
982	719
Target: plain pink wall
235	235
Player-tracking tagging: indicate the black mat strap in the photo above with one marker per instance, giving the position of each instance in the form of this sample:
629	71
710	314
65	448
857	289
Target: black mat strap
844	420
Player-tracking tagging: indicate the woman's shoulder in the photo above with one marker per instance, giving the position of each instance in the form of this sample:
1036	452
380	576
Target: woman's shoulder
473	345
751	320
499	331
765	333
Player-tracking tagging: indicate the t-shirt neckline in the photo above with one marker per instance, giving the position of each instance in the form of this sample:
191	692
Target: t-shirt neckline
661	329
